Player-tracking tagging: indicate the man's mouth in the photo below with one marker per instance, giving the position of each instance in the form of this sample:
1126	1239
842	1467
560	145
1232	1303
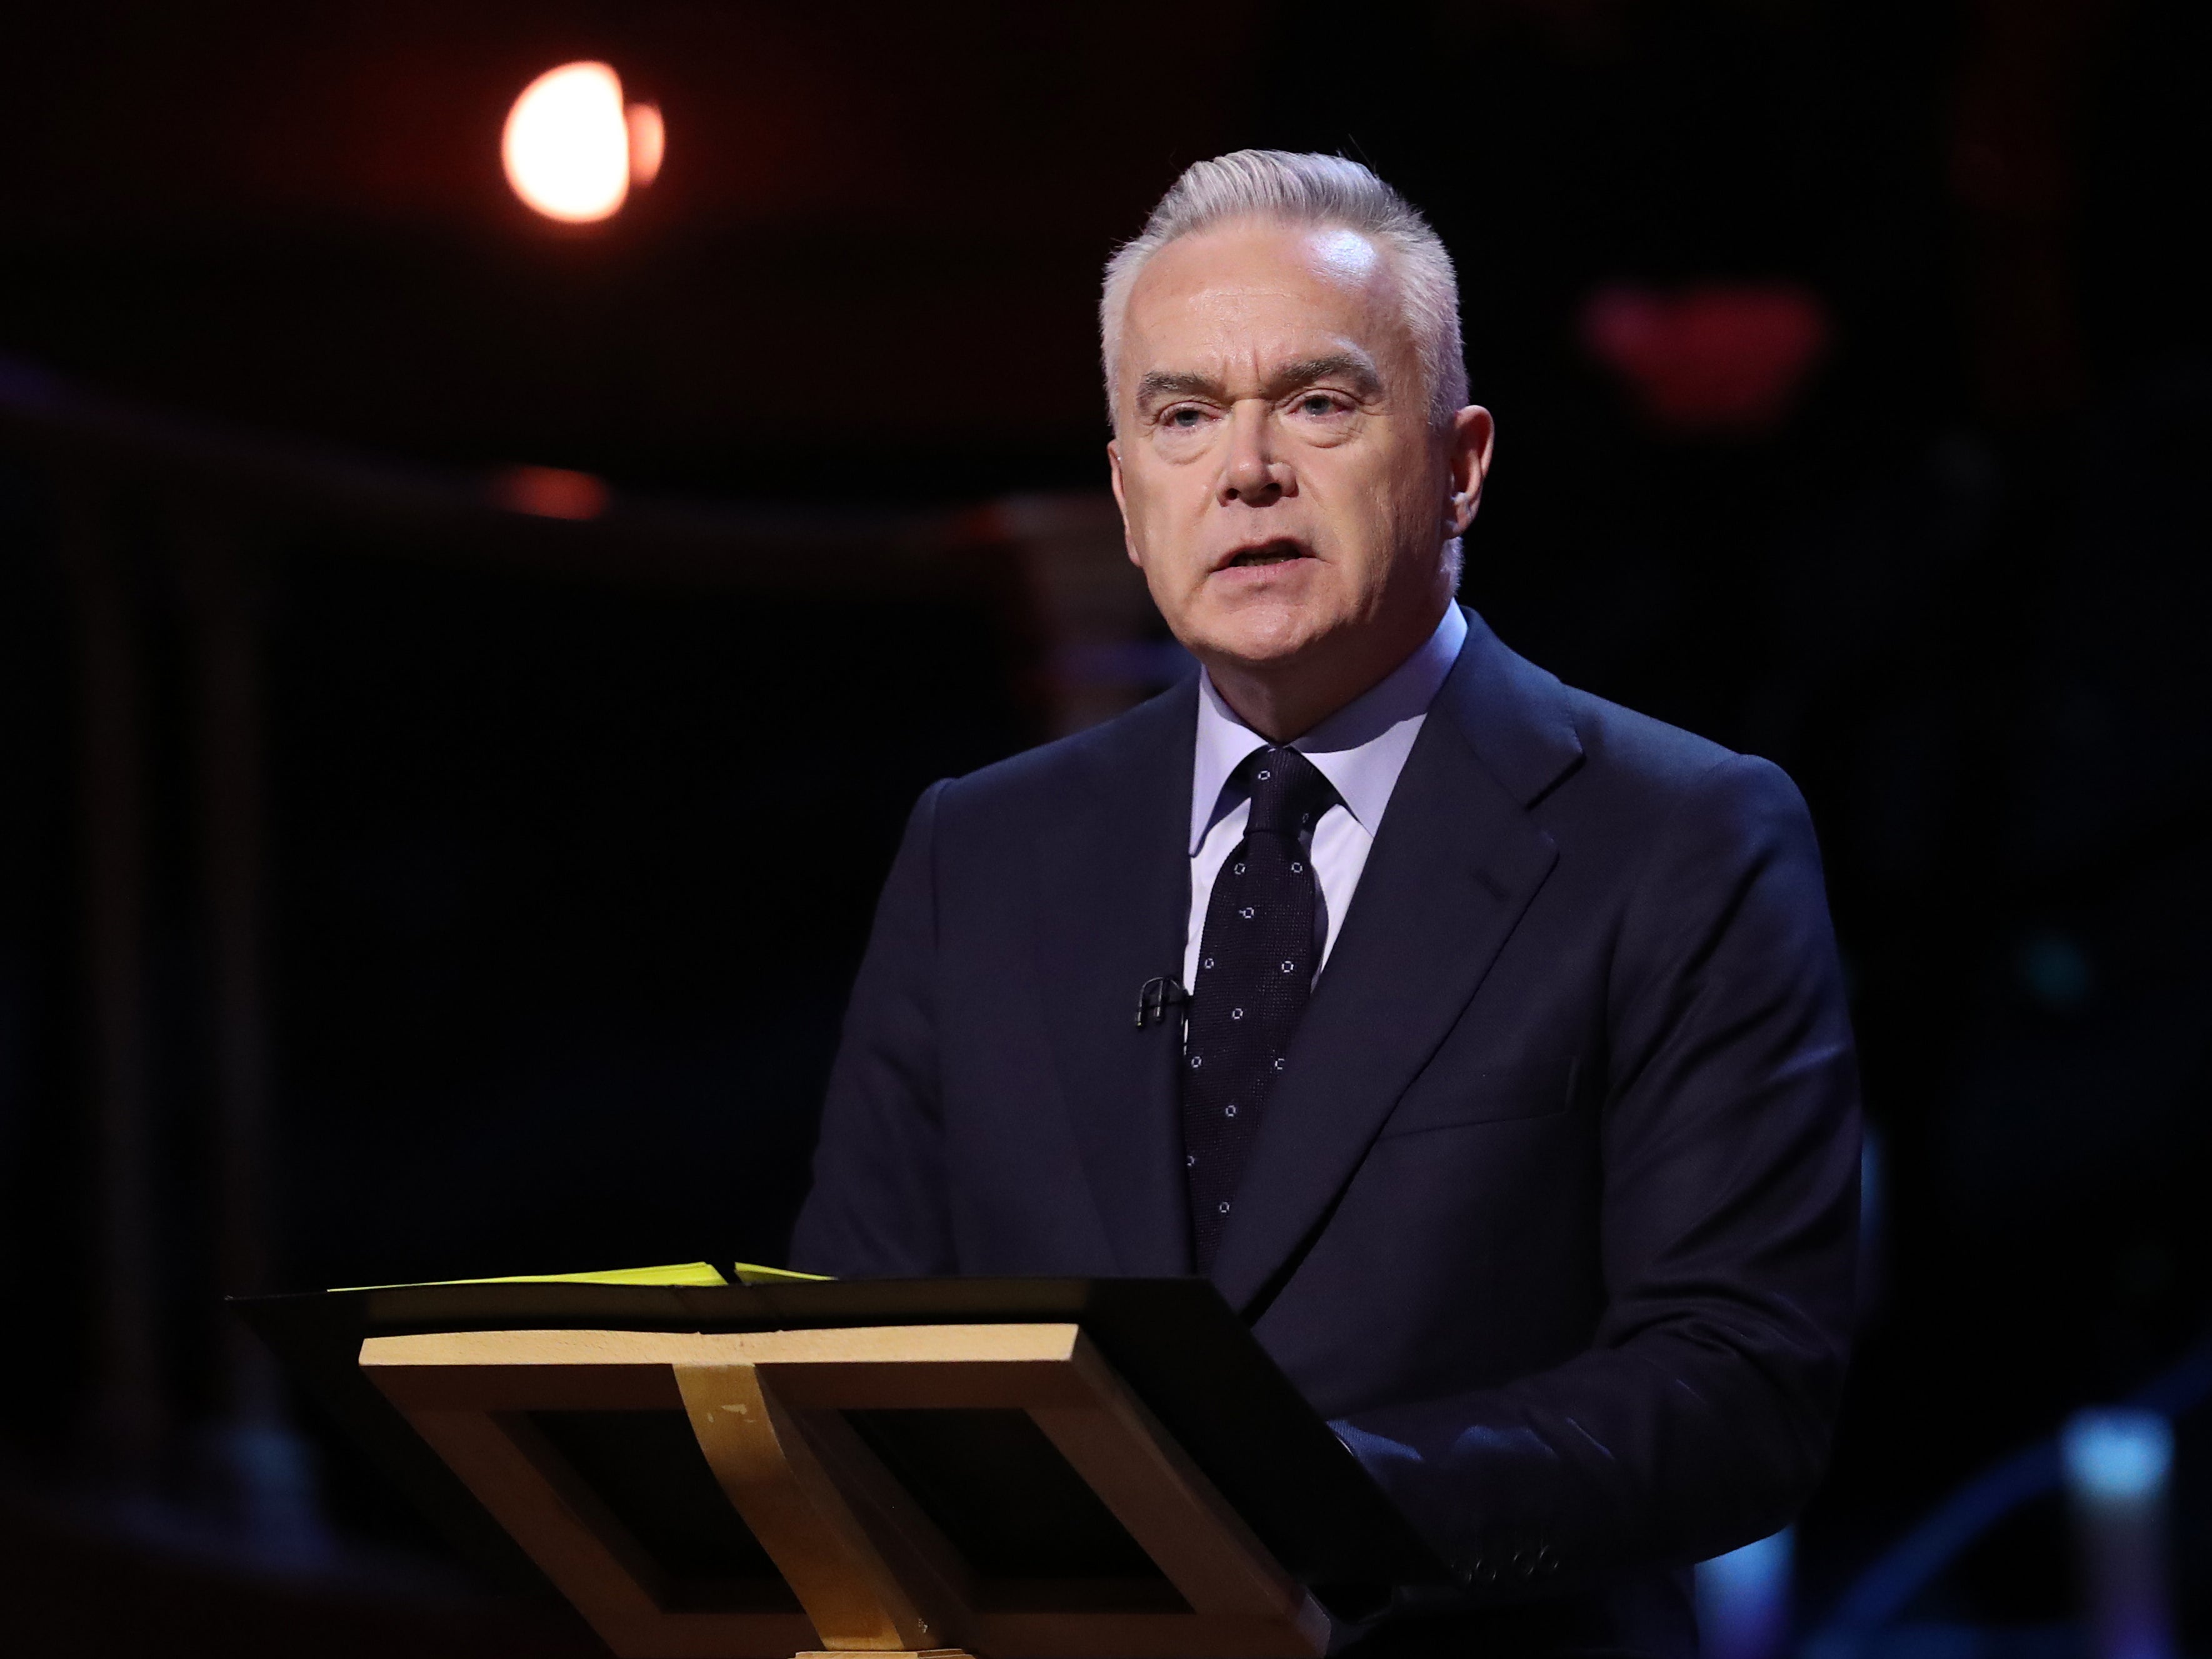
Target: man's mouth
1266	553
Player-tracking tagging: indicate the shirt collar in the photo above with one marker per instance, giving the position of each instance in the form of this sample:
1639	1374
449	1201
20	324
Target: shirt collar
1360	749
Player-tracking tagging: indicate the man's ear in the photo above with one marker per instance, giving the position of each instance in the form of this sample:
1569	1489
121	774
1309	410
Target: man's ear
1471	435
1121	501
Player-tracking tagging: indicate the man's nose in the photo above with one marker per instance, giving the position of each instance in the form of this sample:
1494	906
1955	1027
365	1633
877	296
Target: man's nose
1253	475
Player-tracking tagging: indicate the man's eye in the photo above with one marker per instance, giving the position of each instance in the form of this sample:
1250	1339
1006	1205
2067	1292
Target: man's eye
1317	403
1184	417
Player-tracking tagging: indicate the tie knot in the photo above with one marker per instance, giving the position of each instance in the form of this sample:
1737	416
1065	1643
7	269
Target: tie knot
1289	793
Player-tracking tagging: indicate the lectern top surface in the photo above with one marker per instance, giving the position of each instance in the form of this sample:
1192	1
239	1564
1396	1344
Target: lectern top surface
1176	1343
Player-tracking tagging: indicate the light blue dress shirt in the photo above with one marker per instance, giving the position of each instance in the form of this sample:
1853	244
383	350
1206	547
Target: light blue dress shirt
1361	749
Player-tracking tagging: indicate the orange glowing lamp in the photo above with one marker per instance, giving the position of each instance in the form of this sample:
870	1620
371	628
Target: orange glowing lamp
573	149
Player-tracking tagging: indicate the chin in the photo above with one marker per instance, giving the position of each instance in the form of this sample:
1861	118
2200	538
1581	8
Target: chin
1260	637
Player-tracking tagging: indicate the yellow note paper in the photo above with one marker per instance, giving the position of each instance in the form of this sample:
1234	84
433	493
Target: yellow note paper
750	1273
681	1273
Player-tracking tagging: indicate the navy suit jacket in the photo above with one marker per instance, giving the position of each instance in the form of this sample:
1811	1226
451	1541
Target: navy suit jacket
1554	1210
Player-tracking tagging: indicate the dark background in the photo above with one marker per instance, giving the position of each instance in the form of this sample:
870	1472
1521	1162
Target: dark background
1898	480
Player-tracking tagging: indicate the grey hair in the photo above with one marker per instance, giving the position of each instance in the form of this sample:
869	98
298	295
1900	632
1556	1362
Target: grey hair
1304	189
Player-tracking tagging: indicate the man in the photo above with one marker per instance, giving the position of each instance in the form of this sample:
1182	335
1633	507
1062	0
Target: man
1513	1104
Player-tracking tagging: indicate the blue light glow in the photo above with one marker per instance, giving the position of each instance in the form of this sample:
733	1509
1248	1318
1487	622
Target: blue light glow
2117	1455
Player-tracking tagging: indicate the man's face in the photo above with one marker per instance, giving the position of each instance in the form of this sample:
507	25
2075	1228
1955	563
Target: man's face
1280	481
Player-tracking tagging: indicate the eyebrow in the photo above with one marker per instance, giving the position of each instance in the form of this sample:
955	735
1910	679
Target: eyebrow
1160	383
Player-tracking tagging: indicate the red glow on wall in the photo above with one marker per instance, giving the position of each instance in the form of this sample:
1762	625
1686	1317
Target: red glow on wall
1716	358
551	492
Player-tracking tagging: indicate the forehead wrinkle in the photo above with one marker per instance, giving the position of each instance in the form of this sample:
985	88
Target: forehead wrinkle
1185	278
1355	367
1176	383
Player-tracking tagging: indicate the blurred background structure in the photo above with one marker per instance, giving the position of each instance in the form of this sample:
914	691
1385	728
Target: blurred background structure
463	673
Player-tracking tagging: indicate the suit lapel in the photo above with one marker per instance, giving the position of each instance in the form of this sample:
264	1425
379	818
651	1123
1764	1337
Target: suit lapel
1113	892
1455	864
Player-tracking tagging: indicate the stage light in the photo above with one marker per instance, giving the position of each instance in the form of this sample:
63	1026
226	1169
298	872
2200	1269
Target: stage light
2118	1457
648	138
2119	1464
572	151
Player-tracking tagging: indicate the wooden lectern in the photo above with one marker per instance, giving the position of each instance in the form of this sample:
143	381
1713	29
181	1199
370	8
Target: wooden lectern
1021	1469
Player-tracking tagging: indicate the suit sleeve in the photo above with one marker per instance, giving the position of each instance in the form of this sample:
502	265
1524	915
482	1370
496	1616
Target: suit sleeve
1699	1419
878	1206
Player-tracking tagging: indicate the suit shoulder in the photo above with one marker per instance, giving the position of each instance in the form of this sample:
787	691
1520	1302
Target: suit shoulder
1054	776
1686	828
1620	743
1629	757
1564	750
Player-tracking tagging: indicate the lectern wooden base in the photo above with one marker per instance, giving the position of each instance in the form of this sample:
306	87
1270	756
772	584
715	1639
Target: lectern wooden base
801	1430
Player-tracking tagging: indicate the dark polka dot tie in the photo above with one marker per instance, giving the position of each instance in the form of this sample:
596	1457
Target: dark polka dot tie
1255	969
